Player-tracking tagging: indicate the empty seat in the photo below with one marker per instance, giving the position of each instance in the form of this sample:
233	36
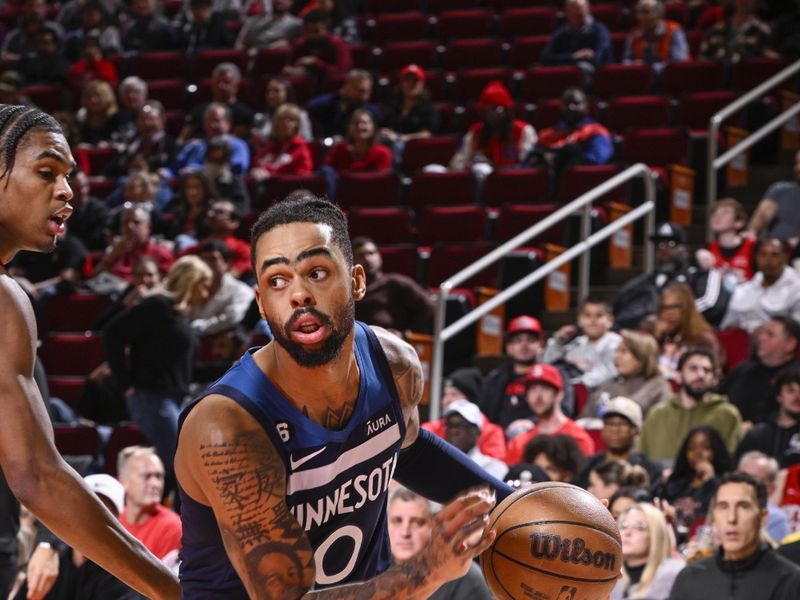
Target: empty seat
451	224
77	441
526	51
636	112
442	5
271	60
204	62
452	187
464	24
610	15
469	83
435	150
99	158
157	65
655	147
122	436
748	74
385	225
50	98
512	186
677	11
401	26
471	53
396	55
73	312
67	388
736	345
283	185
170	92
401	258
548	113
368	189
549	82
515	22
516	218
618	39
622	80
695	110
448	259
392	6
681	78
579	179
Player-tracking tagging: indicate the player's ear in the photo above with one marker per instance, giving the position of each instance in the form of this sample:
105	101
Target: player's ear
359	280
258	301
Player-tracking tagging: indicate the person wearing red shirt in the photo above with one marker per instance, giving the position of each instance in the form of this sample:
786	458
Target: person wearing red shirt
317	52
730	251
360	151
286	152
222	221
141	473
544	389
91	66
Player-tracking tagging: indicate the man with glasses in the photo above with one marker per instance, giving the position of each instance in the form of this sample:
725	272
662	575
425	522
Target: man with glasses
463	423
622	420
638	299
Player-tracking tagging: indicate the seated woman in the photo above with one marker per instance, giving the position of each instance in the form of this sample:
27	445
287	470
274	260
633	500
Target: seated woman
189	209
286	152
97	118
498	140
277	93
638	376
679	325
701	459
607	478
648	569
412	114
625	497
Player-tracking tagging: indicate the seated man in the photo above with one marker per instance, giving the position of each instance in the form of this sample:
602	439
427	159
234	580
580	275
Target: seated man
217	122
318	53
221	222
393	301
152	149
778	210
331	112
142	475
463	423
765	469
582	41
655	40
266	30
147	30
731	252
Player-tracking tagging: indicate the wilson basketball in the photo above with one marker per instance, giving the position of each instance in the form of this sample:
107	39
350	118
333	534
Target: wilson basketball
555	541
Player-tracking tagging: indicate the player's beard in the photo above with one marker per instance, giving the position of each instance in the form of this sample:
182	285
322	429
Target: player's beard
338	329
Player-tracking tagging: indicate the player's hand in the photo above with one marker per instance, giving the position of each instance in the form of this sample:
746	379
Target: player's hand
459	534
42	572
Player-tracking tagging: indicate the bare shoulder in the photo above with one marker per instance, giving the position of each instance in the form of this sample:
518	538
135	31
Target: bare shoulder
405	365
17	328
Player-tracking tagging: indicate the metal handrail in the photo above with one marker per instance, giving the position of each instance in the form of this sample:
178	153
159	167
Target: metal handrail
583	203
715	163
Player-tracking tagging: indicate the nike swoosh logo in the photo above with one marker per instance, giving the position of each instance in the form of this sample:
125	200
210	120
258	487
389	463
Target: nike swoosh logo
295	464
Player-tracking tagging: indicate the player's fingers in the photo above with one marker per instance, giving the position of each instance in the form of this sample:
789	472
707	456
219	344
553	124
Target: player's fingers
484	544
35	586
460	521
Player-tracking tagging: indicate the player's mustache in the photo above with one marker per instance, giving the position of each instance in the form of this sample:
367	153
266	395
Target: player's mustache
322	317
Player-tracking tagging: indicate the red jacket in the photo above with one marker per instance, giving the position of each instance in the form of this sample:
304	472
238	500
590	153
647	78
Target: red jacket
343	159
740	263
500	154
82	72
240	250
289	157
492	441
516	447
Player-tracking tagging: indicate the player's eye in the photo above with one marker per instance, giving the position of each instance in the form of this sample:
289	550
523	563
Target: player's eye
47	174
277	282
318	274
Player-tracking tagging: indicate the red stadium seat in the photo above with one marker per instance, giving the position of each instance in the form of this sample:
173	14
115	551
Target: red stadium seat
622	80
401	26
100	158
609	15
452	224
636	112
157	65
515	186
695	110
271	61
73	312
582	178
396	55
548	113
170	92
49	98
736	344
676	11
361	56
655	147
448	259
618	39
516	22
435	150
549	82
76	441
471	53
67	388
452	187
401	258
204	62
385	225
392	6
437	6
469	83
464	24
122	436
748	74
526	51
516	218
681	78
283	185
380	188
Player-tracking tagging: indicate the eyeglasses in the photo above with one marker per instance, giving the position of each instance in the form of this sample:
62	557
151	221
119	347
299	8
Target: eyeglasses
617	424
666	244
462	426
637	525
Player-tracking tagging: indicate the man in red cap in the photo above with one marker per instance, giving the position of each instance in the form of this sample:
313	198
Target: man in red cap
498	140
544	388
502	398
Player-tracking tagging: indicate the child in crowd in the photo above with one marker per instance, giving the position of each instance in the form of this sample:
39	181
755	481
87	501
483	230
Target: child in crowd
729	251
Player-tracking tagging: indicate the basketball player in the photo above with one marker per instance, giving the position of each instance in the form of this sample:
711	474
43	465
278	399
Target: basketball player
284	464
35	164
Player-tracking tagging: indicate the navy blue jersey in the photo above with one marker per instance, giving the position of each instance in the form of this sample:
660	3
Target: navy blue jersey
336	481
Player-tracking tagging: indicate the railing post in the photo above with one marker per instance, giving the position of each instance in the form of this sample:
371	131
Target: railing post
711	172
437	361
649	223
586	261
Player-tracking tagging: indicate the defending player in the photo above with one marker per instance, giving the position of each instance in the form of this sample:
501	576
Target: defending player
35	163
284	464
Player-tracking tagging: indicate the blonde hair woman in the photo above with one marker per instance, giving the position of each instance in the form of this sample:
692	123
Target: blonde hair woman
648	569
151	350
638	376
98	115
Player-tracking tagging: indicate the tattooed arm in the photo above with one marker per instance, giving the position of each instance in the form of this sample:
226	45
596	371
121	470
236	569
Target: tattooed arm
226	461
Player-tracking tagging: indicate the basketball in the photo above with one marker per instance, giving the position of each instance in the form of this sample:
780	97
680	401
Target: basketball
555	541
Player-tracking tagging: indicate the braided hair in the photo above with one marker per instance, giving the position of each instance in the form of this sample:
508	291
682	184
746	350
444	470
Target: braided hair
15	123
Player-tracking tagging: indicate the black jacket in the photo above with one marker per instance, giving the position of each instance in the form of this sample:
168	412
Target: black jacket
781	443
764	576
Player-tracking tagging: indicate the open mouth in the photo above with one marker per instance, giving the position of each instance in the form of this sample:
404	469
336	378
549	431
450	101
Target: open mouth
307	328
56	224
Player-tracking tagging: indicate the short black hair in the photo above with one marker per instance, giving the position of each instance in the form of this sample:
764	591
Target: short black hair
316	16
217	246
361	240
697	351
16	122
302	206
738	477
790	326
790	374
561	450
596	301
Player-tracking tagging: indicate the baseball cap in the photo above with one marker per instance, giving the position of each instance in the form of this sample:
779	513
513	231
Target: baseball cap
108	487
624	407
466	409
524	323
495	94
414	70
10	81
544	374
668	231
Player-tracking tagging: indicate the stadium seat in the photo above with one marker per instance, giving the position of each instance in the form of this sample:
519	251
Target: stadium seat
122	436
170	92
618	39
453	24
438	6
677	11
101	187
516	218
380	188
515	186
434	150
376	7
636	112
549	82
67	388
471	53
610	15
547	114
681	78
452	187
49	98
748	74
100	158
696	109
401	258
447	259
361	55
655	147
469	83
204	62
436	224
401	26
77	441
736	346
622	80
536	21
157	65
385	225
580	179
73	312
525	51
283	185
396	55
271	61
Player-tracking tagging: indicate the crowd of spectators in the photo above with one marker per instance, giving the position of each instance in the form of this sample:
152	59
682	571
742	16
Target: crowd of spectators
636	400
